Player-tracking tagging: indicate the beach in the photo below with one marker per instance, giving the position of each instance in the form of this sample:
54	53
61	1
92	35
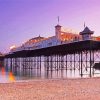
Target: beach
52	89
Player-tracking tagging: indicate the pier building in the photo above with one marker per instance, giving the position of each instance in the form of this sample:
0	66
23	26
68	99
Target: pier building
60	37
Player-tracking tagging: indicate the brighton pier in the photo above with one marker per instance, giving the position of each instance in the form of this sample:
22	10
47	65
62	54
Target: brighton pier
66	51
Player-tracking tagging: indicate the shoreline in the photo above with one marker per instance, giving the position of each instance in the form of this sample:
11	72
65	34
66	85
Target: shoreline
43	79
47	79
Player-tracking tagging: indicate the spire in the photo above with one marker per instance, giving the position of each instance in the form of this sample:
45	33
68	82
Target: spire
86	31
58	23
58	26
58	20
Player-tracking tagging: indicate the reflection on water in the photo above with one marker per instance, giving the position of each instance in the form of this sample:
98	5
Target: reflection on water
8	76
11	76
3	72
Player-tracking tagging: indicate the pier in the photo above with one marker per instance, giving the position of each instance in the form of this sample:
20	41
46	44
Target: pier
70	57
78	56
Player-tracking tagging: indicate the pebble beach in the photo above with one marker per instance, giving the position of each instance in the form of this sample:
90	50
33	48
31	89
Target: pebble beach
52	89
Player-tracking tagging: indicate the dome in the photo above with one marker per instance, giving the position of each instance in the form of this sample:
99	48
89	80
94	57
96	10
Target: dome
58	25
86	31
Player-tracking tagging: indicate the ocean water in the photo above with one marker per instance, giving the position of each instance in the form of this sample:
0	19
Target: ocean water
6	77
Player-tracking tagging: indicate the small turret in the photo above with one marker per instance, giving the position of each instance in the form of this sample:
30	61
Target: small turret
86	33
58	31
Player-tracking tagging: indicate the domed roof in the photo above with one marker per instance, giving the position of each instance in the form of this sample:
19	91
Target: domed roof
86	31
58	25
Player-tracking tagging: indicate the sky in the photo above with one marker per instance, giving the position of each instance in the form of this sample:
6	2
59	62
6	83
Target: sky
21	20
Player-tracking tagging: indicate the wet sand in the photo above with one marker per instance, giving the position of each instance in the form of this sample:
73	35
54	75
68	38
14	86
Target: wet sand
54	89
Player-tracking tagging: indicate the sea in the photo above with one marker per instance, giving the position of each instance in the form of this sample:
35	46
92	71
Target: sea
7	76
